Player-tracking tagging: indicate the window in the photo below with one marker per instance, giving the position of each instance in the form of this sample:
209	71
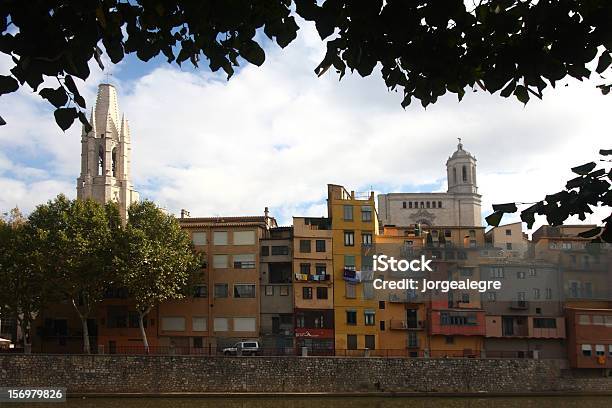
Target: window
548	293
465	298
366	213
350	290
449	340
586	350
536	293
349	262
428	204
173	323
509	246
369	317
520	275
532	272
321	269
466	271
304	245
520	296
265	250
299	320
381	324
497	272
200	291
600	350
351	341
199	323
370	342
404	205
464	173
305	268
322	292
198	238
366	238
244	290
349	238
221	290
269	290
447	233
351	317
433	204
306	292
439	204
244	324
610	350
220	324
348	213
508	232
244	261
368	290
381	304
544	323
220	237
584	320
220	261
587	289
598	320
320	245
244	237
491	296
280	250
284	290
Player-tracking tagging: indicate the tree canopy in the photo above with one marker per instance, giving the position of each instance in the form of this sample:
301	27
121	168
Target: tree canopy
425	48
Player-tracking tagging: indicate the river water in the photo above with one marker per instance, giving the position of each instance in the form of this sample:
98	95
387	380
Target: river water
328	402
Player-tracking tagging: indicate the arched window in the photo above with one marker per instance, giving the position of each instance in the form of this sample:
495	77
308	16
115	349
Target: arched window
464	174
114	162
100	160
428	204
455	174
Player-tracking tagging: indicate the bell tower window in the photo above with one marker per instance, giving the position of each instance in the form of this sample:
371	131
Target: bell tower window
455	175
100	160
114	162
464	174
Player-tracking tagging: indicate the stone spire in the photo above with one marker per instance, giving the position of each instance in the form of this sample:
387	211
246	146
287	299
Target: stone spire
105	154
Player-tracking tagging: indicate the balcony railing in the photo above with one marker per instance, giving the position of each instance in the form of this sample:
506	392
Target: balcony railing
519	305
307	277
407	324
244	265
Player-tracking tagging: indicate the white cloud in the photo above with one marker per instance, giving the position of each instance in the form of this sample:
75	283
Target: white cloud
276	135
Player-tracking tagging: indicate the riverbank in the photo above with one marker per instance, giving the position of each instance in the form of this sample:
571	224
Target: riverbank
191	376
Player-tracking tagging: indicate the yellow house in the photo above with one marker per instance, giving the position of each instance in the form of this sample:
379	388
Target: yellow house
354	227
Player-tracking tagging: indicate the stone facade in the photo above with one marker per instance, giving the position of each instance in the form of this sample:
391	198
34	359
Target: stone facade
172	374
459	206
106	154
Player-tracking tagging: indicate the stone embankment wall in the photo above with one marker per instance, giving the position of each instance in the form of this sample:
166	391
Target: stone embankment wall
183	374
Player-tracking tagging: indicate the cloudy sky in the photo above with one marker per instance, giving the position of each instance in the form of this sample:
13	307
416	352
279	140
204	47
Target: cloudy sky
276	135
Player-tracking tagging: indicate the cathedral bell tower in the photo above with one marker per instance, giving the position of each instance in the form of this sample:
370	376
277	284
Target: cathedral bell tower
105	155
461	172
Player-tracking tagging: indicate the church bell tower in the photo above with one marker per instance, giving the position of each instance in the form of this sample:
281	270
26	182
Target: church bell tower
105	155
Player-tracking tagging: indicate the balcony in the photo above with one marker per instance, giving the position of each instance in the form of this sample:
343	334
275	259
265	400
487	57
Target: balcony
407	324
409	296
519	305
244	265
306	277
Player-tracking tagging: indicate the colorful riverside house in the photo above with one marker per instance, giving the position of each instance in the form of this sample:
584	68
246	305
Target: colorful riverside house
276	293
313	284
402	312
589	340
524	318
226	305
354	225
456	321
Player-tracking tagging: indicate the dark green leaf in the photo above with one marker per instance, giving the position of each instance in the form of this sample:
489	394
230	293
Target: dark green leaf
505	208
584	169
64	117
8	84
494	219
57	97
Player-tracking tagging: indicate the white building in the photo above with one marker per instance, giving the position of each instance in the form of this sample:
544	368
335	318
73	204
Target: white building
105	155
459	206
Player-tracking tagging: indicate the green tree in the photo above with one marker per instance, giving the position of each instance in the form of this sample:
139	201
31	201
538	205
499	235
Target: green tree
75	238
590	189
23	286
155	259
425	48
